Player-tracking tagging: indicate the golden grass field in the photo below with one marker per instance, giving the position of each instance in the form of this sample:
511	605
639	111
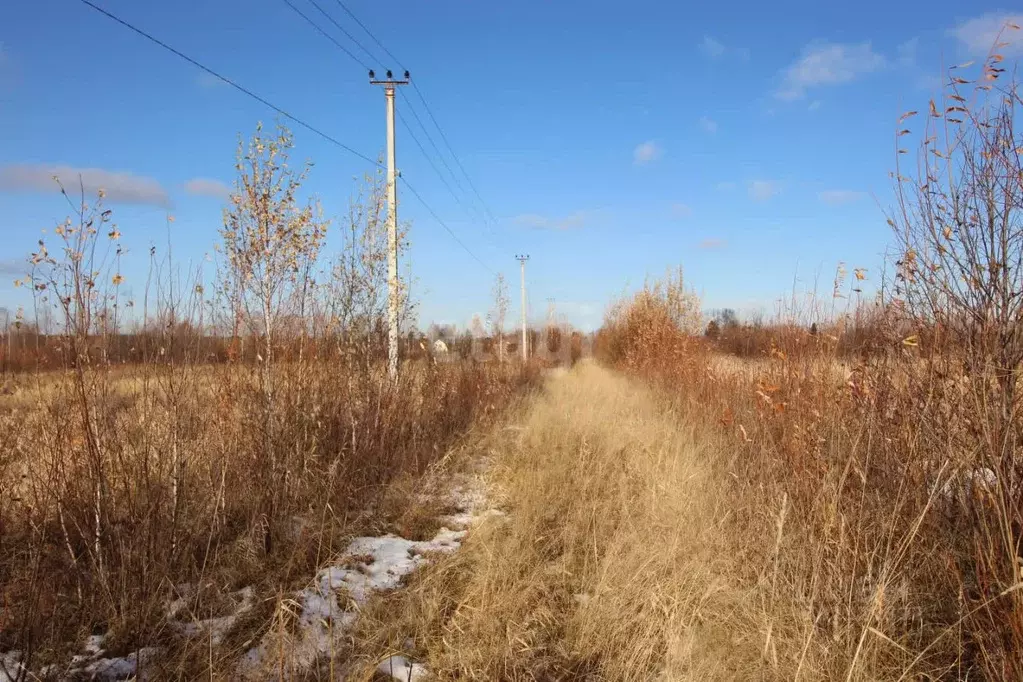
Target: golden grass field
616	556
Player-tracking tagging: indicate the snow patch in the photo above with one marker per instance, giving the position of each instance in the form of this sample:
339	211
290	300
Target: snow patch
972	482
330	606
123	667
459	520
400	668
10	666
325	611
94	645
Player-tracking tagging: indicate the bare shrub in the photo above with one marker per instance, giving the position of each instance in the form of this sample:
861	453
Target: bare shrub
664	314
959	223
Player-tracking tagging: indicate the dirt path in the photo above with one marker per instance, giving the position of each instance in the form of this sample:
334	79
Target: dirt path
607	559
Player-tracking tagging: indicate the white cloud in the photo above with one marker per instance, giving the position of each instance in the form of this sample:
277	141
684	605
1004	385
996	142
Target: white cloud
907	52
708	125
120	187
837	197
762	190
711	47
204	187
814	105
540	222
929	82
715	49
680	210
825	63
908	61
979	35
708	244
646	152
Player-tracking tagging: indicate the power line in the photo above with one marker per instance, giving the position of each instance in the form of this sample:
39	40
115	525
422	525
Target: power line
445	226
232	83
426	132
327	35
284	113
426	106
432	143
404	122
429	160
416	140
370	34
342	29
436	170
444	138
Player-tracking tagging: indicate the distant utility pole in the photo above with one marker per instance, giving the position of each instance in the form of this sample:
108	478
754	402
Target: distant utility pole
392	223
525	348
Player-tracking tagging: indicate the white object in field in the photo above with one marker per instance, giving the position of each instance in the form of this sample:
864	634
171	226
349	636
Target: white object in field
400	668
972	483
330	607
440	347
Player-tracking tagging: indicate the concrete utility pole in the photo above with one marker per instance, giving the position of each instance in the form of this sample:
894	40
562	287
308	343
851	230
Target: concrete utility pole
525	348
392	223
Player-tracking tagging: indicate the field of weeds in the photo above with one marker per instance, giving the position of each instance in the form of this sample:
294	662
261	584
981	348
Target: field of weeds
875	456
875	506
835	500
224	481
606	560
173	473
170	482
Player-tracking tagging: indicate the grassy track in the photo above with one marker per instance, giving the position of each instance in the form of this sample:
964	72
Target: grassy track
611	563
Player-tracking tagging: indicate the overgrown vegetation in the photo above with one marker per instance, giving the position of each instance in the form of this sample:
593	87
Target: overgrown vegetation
827	496
605	560
875	458
214	434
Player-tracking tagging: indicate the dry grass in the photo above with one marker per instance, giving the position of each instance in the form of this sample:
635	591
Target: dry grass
187	496
218	436
617	559
877	502
785	518
881	509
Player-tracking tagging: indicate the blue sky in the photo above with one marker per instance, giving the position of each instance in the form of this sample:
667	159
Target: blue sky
749	142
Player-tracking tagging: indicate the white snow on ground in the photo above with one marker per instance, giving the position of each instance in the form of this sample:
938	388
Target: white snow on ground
327	609
94	645
122	667
972	482
400	668
10	666
95	666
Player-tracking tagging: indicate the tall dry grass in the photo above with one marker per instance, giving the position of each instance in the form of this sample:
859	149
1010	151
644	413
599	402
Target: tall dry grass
127	481
882	508
844	507
613	558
